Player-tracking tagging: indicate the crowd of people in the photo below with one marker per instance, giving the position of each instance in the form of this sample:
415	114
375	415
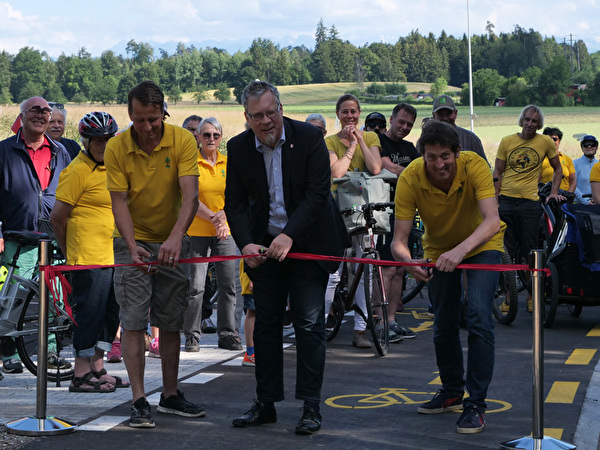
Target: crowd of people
149	196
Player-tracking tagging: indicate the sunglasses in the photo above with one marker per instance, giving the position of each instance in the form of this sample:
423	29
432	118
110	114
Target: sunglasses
376	125
589	145
215	136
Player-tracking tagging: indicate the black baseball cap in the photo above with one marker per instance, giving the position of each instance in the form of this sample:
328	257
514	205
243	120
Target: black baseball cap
375	117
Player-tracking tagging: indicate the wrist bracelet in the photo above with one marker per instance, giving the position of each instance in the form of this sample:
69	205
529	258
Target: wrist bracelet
349	156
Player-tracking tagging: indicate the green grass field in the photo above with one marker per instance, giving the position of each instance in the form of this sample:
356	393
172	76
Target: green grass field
491	123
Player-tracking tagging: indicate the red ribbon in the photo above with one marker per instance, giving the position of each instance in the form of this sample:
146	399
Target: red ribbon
51	273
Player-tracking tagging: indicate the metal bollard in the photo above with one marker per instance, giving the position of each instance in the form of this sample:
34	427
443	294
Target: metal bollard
40	425
538	441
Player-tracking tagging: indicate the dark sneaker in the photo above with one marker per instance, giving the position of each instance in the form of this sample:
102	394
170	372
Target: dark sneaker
12	365
177	404
470	421
395	337
441	402
402	331
192	345
54	362
140	414
230	342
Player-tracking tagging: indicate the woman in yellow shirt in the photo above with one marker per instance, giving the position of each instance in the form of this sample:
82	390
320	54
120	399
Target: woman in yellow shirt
569	179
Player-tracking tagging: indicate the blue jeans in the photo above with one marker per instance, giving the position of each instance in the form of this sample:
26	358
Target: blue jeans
95	310
445	292
304	282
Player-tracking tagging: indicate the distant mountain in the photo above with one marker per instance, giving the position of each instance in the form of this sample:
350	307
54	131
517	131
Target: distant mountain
231	46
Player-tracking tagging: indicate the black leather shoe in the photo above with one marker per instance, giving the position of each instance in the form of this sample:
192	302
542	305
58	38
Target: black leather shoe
310	422
258	414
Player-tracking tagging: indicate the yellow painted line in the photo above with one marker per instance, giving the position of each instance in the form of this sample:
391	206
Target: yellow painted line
437	381
594	332
555	433
562	392
420	315
581	356
423	327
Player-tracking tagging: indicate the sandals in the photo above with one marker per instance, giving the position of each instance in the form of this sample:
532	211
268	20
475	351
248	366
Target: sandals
78	382
118	380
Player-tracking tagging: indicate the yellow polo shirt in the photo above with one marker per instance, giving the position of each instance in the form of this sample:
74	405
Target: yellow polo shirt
448	218
595	173
90	226
567	167
211	192
151	181
523	164
358	160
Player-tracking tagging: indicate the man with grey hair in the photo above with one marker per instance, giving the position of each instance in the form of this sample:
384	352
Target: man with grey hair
444	110
30	163
318	121
516	174
56	129
191	124
277	200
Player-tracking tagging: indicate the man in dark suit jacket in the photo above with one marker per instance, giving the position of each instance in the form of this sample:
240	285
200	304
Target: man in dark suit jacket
277	200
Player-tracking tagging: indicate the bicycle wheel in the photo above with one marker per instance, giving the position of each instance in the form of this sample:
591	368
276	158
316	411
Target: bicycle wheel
410	286
524	275
60	337
377	319
551	296
505	304
334	319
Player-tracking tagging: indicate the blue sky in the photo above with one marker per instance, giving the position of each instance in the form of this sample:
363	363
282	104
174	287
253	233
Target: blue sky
64	26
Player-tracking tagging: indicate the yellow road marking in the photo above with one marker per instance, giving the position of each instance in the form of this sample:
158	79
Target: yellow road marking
581	356
420	316
562	392
555	433
437	380
594	332
423	327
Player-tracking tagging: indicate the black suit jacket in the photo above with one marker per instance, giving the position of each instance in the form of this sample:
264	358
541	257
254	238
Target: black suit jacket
314	222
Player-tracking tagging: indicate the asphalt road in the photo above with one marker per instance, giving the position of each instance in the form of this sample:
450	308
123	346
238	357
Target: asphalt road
368	401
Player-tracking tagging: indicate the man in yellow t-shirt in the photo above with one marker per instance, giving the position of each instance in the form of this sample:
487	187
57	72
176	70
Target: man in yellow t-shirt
454	194
152	174
595	183
516	174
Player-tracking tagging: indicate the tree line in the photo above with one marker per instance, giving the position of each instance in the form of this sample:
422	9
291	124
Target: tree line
520	65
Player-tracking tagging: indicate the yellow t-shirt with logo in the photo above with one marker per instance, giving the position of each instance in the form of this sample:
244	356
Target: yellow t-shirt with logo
595	173
151	181
82	184
358	160
211	192
524	158
448	218
567	167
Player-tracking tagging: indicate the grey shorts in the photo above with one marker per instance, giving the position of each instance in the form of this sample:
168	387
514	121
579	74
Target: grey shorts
163	295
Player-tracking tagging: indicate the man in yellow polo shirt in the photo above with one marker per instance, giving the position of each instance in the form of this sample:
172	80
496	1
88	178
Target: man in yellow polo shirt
454	194
152	174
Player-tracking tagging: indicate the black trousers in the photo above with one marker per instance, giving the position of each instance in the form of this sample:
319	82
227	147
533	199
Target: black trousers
304	282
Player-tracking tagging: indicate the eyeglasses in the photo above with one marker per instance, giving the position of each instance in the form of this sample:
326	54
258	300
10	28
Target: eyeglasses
215	136
589	145
37	110
259	116
554	138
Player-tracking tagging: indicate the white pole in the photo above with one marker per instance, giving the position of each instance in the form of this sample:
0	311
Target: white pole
470	66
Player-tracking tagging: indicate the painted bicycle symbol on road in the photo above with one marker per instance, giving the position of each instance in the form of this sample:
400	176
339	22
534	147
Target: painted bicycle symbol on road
398	396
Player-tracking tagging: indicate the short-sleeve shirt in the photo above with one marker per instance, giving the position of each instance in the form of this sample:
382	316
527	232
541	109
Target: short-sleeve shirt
335	145
211	192
567	168
151	181
82	184
400	153
524	158
449	218
595	173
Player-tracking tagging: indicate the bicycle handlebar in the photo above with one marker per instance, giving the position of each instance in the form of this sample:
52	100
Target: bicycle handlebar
367	208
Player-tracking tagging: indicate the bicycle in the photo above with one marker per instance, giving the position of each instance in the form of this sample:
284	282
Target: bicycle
375	296
19	314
